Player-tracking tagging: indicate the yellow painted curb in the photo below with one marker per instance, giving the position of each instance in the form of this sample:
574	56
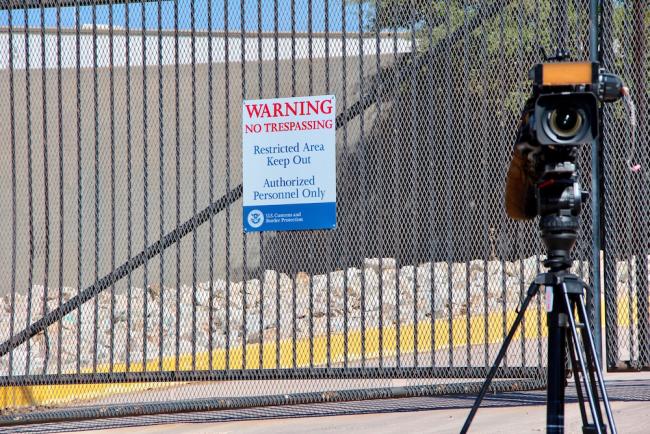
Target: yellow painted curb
22	396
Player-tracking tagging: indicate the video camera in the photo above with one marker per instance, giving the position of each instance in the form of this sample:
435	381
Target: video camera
562	113
566	100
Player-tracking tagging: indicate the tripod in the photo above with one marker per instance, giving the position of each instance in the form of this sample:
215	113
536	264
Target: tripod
559	203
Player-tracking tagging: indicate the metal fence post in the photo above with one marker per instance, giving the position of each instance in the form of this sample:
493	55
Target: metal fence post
596	191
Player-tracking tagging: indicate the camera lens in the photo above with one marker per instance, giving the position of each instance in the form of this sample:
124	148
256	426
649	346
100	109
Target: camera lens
565	122
566	119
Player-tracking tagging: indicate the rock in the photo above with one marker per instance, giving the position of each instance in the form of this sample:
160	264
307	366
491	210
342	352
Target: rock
321	283
354	282
186	295
236	295
423	307
38	292
286	319
389	281
269	334
441	276
253	338
407	313
302	285
423	275
378	286
622	272
406	283
252	323
407	272
378	264
389	293
286	284
120	315
336	305
6	306
476	267
202	297
388	311
138	306
302	311
530	267
319	310
66	294
337	283
389	288
218	288
426	291
579	268
511	268
372	302
371	281
253	290
154	290
203	286
354	304
270	280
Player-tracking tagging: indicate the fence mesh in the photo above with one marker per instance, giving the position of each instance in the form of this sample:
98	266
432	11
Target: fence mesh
127	274
626	38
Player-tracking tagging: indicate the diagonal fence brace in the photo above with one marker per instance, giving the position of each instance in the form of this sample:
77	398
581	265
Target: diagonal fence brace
121	271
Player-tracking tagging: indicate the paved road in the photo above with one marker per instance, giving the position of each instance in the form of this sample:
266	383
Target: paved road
631	417
503	413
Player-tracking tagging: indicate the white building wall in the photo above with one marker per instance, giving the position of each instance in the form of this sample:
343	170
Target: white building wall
286	48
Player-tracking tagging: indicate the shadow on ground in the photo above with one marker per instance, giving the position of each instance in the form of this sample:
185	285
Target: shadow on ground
627	390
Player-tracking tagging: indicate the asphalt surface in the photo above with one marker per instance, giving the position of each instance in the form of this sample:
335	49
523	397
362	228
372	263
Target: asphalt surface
517	412
631	417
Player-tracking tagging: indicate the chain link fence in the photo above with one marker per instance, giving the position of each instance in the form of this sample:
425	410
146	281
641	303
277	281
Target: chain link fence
626	36
128	277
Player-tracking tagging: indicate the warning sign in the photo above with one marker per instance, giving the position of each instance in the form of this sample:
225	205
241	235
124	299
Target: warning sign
289	156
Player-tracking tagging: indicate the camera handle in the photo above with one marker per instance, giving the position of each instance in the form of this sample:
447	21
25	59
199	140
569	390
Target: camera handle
559	56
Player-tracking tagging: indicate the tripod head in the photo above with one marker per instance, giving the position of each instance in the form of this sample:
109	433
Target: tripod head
559	202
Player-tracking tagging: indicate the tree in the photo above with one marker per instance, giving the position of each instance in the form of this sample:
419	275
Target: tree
426	182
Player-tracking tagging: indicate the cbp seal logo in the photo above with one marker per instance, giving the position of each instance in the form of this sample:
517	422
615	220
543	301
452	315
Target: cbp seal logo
255	218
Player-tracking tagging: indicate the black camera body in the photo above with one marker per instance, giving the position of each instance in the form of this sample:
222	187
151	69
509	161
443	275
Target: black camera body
567	97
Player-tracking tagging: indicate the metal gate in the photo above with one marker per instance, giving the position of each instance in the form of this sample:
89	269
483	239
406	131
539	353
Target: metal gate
126	268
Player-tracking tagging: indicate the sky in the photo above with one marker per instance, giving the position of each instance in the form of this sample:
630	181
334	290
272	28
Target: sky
336	10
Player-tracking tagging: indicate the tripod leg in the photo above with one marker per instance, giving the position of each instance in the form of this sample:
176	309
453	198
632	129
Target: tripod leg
590	359
556	323
576	376
532	291
581	359
582	312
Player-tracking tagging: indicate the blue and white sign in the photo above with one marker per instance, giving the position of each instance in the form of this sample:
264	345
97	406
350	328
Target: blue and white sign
289	155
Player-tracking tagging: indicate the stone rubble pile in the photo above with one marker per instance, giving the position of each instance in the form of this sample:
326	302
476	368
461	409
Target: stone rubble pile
258	309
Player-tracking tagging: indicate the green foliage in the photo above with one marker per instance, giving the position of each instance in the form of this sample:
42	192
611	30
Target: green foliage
490	61
521	29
